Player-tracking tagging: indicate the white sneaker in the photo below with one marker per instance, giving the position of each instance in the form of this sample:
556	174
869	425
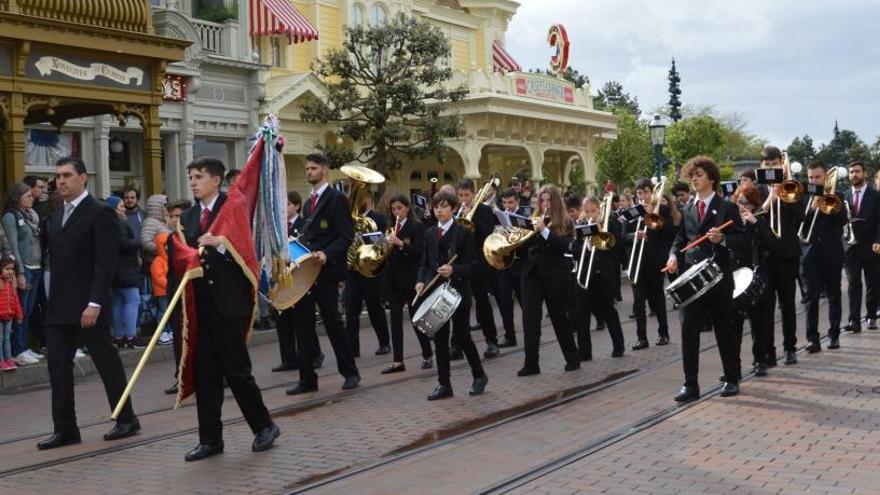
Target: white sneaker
166	338
79	354
23	359
34	355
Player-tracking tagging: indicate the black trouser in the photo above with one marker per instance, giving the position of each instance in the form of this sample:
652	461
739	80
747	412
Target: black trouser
858	261
222	353
599	297
62	342
461	339
781	283
536	291
481	285
35	321
325	294
508	284
818	276
285	325
650	289
759	322
715	305
358	289
397	299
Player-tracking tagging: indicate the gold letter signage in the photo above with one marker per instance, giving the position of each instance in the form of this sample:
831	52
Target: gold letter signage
47	65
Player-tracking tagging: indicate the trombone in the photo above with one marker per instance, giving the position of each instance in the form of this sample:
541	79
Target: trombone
603	241
827	204
652	221
467	221
789	191
848	233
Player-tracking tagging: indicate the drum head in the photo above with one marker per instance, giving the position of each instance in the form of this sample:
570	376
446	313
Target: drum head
304	272
426	302
742	279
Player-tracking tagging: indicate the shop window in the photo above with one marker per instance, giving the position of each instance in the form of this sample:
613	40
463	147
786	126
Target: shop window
276	51
120	159
415	175
378	14
45	147
358	14
448	177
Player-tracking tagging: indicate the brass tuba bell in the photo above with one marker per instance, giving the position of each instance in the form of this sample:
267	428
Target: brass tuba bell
366	259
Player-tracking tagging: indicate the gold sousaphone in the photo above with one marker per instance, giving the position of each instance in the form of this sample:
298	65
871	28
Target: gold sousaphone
367	259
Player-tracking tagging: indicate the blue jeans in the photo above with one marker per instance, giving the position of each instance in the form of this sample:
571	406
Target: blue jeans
125	312
161	307
5	340
28	298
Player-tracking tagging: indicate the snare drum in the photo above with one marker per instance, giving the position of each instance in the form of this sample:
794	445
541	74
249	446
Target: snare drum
748	287
297	250
304	270
436	309
695	282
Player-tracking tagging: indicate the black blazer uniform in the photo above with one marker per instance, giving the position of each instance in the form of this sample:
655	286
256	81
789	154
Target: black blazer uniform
224	281
657	244
545	258
457	241
604	262
718	212
84	253
825	244
329	229
789	246
380	219
295	229
484	225
404	261
864	224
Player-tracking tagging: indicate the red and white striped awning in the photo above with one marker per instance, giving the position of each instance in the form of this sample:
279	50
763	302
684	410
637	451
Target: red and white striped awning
501	60
271	17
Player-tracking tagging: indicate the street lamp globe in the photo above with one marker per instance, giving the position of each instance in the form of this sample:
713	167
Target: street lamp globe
796	168
658	131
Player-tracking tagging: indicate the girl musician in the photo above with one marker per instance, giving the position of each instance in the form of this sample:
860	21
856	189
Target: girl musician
599	295
544	266
752	253
408	241
442	242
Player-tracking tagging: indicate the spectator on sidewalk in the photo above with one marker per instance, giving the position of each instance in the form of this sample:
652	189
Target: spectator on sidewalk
21	224
134	215
10	311
39	187
154	224
126	280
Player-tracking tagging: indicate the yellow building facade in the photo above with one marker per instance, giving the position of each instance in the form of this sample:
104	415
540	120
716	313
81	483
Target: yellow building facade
517	123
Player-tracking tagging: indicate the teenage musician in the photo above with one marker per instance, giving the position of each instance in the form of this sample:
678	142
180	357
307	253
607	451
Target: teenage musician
574	207
861	255
442	242
702	218
545	265
408	243
508	281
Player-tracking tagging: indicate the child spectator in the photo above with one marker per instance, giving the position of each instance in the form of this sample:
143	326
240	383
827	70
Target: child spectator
10	310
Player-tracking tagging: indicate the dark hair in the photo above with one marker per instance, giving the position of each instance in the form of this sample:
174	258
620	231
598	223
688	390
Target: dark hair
680	187
318	158
509	193
514	182
294	197
232	174
573	201
749	174
467	184
183	204
816	164
644	183
31	180
14	194
705	163
770	153
212	166
751	194
6	260
444	197
402	199
130	187
78	165
857	163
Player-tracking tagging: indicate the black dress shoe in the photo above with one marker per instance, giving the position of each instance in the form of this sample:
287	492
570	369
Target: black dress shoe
642	344
572	365
872	324
760	369
617	353
853	327
585	355
441	392
491	351
790	357
729	389
300	389
172	390
394	368
687	394
505	342
59	440
834	343
526	371
285	367
631	316
663	340
318	362
427	363
383	349
813	347
203	451
123	430
479	385
265	438
352	382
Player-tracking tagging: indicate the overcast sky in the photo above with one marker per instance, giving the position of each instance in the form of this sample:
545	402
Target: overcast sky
789	66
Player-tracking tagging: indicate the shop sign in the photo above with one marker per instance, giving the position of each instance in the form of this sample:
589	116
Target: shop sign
173	88
544	88
47	66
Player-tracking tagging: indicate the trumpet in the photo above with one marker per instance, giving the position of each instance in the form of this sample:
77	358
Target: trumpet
827	204
652	221
790	191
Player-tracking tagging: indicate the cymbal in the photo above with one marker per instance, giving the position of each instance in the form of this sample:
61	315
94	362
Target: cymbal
362	174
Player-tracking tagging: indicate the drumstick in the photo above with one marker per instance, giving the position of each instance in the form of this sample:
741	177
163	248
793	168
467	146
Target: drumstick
432	282
703	238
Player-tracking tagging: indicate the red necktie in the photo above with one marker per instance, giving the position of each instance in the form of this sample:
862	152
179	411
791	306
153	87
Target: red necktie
397	230
701	210
206	216
856	203
313	201
439	233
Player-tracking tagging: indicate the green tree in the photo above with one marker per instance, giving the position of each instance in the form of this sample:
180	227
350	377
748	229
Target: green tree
674	94
802	149
386	92
612	96
694	136
845	147
629	156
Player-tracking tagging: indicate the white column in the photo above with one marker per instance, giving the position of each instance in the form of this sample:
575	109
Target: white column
101	155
